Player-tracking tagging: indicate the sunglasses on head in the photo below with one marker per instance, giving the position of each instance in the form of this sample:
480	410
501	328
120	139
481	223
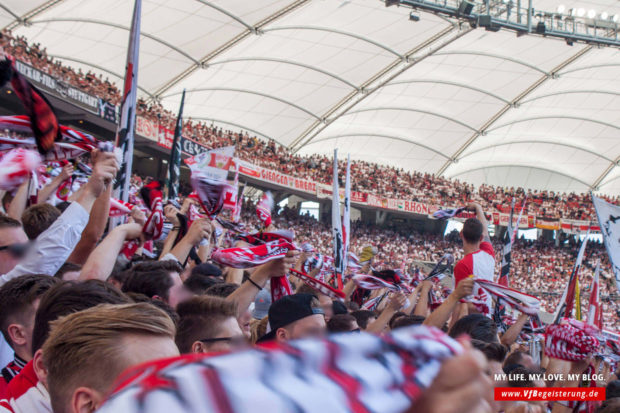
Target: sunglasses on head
17	250
238	340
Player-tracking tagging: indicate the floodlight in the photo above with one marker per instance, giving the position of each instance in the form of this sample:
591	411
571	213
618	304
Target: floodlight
465	8
614	18
604	15
581	12
591	14
561	8
414	17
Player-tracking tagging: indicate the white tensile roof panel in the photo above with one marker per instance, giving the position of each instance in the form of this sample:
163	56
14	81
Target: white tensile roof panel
431	95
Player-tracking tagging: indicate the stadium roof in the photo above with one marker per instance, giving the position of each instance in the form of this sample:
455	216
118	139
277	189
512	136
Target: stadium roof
429	95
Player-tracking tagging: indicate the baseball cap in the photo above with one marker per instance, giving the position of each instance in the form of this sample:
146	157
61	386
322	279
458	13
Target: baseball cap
262	302
289	309
207	269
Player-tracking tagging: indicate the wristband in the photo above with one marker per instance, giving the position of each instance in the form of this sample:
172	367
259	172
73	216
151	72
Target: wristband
254	284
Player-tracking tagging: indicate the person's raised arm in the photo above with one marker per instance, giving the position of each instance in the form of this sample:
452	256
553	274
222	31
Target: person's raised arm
170	212
246	293
475	207
511	335
442	313
421	307
18	203
101	261
48	189
54	245
94	229
199	230
396	303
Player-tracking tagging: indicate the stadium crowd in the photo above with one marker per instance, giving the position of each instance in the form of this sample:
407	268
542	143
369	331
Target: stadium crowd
381	180
71	296
172	311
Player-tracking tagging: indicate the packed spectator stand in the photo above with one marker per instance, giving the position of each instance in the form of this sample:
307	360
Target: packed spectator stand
381	180
170	280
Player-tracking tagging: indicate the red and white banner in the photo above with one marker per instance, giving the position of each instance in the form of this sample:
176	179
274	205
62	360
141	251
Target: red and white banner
527	221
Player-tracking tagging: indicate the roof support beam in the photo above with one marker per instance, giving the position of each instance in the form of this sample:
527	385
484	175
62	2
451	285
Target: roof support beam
103	69
6	9
384	77
379	135
341	32
577	69
539	168
569	92
558	143
425	112
32	13
229	44
445	82
503	125
605	173
492	55
226	12
513	103
251	92
284	61
117	26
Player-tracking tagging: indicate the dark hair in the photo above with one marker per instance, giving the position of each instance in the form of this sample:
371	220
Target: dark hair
200	318
120	276
141	298
362	317
207	269
198	283
8	222
37	218
609	406
339	308
613	389
67	267
222	290
69	297
407	320
166	265
472	230
477	326
515	359
18	294
152	282
396	315
63	205
527	382
492	351
340	323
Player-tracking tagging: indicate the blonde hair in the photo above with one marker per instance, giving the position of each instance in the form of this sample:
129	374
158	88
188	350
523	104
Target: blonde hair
86	348
258	328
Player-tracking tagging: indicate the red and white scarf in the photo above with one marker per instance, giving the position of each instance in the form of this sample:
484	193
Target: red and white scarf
264	207
569	342
16	166
119	208
341	373
370	282
318	285
523	302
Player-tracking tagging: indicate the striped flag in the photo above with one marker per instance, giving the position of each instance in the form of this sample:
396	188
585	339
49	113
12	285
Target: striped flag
565	307
339	256
505	269
174	165
126	126
594	307
346	218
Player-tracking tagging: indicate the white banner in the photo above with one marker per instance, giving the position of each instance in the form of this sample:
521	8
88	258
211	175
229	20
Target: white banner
609	221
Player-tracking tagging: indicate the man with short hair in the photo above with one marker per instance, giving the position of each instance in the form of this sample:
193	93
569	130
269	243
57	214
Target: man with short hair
37	218
295	316
364	317
207	324
87	350
19	300
27	392
479	259
476	326
159	280
52	247
342	323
